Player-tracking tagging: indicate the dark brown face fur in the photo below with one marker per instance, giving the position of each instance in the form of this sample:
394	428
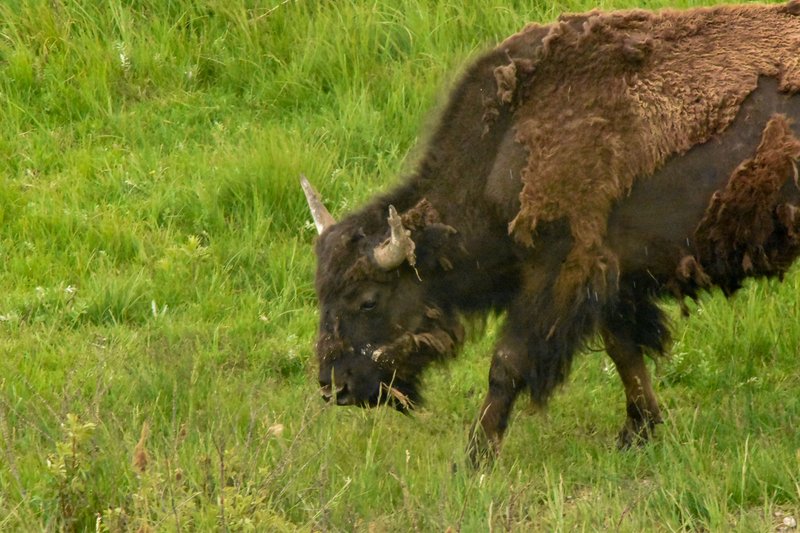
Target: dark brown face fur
378	329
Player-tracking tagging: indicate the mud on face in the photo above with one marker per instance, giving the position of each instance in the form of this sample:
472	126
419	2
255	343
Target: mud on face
379	328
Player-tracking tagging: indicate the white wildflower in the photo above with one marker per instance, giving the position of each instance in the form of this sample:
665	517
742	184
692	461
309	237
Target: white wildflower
124	60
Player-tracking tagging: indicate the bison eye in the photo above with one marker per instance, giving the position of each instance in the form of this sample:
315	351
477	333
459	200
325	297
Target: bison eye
368	305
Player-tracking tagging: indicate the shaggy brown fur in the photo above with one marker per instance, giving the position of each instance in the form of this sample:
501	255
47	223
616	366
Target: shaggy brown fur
632	155
732	239
606	98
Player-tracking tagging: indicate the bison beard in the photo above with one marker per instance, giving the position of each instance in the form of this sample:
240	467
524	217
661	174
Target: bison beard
580	172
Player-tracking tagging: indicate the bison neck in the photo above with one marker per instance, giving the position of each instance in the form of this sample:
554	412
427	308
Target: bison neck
486	278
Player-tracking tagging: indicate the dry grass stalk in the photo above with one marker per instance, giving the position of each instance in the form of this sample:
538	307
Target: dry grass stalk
140	456
404	400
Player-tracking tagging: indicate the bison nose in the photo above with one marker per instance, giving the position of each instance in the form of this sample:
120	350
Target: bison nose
342	396
326	392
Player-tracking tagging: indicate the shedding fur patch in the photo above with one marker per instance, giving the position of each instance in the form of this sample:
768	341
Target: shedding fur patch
512	80
421	215
614	95
744	231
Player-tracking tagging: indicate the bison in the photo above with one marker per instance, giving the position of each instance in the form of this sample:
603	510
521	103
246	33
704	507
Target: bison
580	172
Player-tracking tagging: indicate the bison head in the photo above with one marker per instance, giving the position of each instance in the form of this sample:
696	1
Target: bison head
382	320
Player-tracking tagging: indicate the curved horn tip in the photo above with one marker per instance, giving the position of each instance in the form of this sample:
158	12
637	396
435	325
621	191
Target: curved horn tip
394	219
322	218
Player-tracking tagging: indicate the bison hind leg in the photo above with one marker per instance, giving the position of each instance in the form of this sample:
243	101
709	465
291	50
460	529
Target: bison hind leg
635	324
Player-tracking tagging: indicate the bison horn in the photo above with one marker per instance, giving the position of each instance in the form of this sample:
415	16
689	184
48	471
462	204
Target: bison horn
398	247
322	218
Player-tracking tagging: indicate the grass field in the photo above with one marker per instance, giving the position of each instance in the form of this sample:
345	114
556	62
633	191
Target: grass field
157	312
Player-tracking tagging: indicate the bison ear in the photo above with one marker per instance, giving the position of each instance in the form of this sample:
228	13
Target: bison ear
438	247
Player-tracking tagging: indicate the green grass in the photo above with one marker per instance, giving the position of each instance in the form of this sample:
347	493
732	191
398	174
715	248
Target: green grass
156	269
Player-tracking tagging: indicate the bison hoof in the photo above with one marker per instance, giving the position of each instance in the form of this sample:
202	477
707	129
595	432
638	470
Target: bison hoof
636	432
481	450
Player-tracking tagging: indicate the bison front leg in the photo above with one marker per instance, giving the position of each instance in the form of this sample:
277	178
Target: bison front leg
506	380
641	404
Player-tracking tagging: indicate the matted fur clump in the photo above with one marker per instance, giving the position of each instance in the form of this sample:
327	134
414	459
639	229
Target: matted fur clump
606	98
